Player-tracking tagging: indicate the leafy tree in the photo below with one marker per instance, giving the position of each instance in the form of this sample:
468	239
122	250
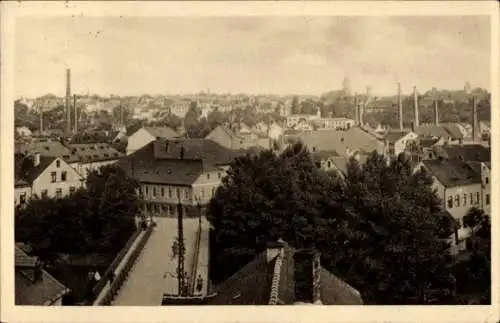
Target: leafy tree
392	247
295	105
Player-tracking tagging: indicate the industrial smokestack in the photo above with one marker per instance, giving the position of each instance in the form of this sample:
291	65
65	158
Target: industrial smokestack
474	119
68	98
400	107
415	97
121	114
76	113
356	111
41	118
436	114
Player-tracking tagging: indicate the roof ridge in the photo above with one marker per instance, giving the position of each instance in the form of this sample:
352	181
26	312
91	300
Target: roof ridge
273	298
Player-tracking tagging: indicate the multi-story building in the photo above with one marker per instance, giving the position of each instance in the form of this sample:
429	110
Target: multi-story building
186	171
460	187
334	123
397	141
44	176
86	158
180	108
145	135
238	137
294	119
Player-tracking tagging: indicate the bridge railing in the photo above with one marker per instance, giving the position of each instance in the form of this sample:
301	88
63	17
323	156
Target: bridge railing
194	266
123	269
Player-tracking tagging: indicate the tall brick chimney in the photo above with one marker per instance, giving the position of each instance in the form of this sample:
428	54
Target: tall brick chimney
415	98
436	113
68	98
307	276
474	119
356	111
76	114
400	107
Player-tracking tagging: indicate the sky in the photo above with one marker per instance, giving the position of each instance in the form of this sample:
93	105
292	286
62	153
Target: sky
254	55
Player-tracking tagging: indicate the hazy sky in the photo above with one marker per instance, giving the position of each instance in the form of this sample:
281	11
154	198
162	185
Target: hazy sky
130	56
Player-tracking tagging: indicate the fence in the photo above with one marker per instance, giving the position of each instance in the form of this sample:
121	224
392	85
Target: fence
195	260
119	257
123	269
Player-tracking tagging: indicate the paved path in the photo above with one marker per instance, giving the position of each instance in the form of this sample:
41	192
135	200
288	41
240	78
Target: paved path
148	280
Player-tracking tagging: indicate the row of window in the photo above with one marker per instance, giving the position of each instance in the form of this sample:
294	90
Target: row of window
53	176
466	197
44	193
161	192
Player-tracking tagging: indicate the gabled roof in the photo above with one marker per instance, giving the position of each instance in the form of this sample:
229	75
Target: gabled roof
393	136
446	130
24	174
453	129
162	132
474	152
45	291
47	148
339	141
452	173
252	284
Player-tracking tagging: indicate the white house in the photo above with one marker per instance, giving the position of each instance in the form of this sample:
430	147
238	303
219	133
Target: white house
44	176
397	141
145	135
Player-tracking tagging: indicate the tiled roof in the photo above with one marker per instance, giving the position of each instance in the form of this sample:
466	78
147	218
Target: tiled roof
453	129
393	136
45	291
48	148
93	152
340	141
445	130
154	164
162	132
452	173
24	175
252	284
473	152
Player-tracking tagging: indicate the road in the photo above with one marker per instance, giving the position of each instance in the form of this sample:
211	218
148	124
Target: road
155	270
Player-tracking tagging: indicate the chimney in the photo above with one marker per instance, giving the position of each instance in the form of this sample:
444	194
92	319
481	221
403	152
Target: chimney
413	126
307	271
274	249
400	106
68	98
436	114
182	152
167	146
356	111
76	114
36	159
361	112
415	98
41	119
474	119
37	272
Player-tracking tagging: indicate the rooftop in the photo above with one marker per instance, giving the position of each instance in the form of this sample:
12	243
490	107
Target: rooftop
452	173
252	284
30	291
474	152
93	152
162	132
393	136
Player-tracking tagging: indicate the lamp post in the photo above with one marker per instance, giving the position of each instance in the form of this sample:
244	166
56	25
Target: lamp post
180	238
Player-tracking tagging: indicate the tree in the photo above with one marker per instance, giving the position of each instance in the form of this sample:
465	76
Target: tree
392	247
277	197
295	105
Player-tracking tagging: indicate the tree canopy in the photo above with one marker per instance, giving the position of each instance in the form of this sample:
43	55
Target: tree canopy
98	218
379	213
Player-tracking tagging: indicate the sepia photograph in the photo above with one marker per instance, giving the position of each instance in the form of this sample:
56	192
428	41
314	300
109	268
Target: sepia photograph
192	160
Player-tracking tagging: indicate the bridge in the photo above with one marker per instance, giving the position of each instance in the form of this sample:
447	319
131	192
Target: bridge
153	271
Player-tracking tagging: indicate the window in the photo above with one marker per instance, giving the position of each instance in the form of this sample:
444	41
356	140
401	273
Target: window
208	176
58	163
487	199
170	192
53	176
186	193
471	199
213	191
162	191
154	191
178	191
202	193
63	176
487	180
450	202
219	175
465	199
329	164
147	190
478	197
58	193
72	190
457	200
170	209
139	191
22	198
44	193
